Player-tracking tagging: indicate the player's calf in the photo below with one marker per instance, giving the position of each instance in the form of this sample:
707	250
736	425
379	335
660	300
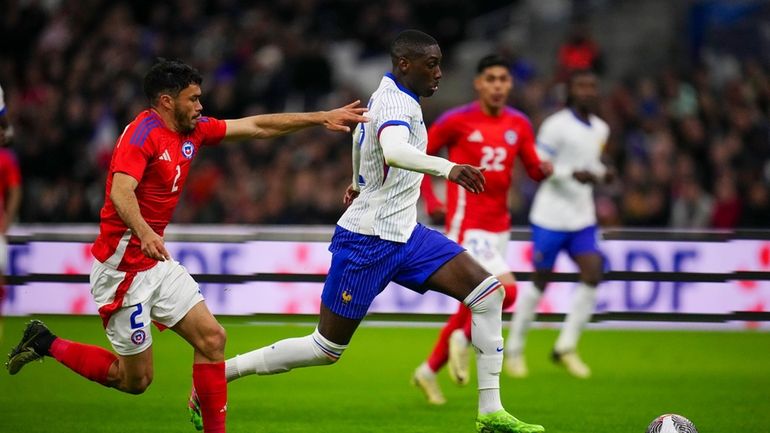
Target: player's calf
211	343
285	355
92	362
486	302
135	385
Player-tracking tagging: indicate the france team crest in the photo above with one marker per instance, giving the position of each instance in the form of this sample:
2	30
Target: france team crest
188	149
511	137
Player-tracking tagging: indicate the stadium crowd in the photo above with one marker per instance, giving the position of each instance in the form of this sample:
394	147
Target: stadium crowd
692	148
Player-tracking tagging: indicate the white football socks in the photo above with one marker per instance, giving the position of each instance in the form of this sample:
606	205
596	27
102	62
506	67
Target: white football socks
280	357
425	371
526	306
583	305
486	305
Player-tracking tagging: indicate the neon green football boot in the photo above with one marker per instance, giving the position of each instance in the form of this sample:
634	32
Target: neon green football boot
194	406
503	422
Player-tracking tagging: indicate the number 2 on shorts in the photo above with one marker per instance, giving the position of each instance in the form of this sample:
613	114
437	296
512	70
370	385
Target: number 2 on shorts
134	315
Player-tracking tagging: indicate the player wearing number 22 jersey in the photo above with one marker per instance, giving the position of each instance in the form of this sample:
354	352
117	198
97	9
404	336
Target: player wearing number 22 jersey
488	134
492	142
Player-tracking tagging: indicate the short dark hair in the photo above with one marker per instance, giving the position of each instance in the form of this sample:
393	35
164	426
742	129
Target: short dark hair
574	75
410	43
491	60
170	77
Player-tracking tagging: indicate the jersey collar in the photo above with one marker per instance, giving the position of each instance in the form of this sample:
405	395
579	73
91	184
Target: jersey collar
402	88
580	119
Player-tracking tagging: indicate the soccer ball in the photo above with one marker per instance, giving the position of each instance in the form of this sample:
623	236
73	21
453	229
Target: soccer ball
671	423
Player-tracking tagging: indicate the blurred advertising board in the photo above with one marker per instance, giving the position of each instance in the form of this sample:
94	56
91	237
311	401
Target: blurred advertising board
312	257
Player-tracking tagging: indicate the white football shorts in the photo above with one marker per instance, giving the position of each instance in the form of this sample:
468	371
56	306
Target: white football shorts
130	301
488	248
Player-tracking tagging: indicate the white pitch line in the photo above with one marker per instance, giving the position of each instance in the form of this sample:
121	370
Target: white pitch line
367	324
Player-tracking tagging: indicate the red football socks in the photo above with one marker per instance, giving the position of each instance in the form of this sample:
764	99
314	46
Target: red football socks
211	386
440	353
91	362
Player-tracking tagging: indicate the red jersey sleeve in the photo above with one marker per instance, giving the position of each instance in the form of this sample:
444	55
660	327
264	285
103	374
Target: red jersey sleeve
439	135
528	153
133	151
212	130
12	173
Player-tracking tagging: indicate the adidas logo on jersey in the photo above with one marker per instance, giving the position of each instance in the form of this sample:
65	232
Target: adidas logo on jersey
476	137
165	156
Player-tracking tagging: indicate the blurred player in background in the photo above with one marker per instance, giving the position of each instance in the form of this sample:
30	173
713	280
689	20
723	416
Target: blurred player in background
10	196
489	134
563	217
134	280
378	239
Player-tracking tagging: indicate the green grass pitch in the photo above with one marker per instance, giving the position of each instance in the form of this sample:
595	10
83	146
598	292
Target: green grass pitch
720	380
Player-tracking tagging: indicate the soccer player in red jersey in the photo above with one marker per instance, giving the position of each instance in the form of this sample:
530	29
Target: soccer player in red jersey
488	134
134	280
10	195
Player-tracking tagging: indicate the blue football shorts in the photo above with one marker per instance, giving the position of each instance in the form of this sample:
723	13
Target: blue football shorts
363	265
548	243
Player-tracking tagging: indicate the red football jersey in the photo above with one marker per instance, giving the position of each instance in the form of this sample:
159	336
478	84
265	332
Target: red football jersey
493	142
159	159
10	176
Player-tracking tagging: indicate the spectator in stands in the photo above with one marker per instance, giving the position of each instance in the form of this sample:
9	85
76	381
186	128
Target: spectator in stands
579	52
74	68
692	207
756	212
727	204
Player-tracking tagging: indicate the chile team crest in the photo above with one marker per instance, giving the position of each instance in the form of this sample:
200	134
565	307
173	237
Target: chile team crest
138	337
188	149
511	137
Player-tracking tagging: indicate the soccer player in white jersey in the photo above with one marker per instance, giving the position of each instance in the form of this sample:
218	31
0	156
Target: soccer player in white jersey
563	218
378	239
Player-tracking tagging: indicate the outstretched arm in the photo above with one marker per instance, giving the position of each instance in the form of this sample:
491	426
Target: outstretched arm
276	125
353	190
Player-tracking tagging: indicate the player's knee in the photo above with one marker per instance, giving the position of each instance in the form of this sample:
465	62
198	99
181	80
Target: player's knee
592	277
137	385
486	296
326	352
213	343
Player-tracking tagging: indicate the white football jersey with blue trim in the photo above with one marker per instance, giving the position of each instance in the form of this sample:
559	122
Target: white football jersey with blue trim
571	144
387	203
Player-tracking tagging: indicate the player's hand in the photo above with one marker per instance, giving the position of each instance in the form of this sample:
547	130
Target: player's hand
342	118
350	195
153	247
546	167
468	177
438	215
584	176
610	175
